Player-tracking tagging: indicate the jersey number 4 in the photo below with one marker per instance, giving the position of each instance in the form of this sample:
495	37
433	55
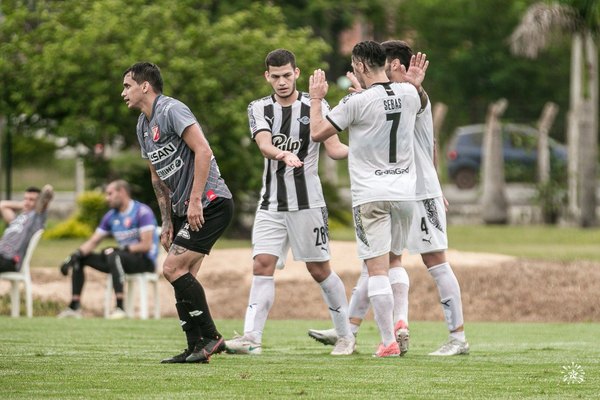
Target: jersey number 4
395	118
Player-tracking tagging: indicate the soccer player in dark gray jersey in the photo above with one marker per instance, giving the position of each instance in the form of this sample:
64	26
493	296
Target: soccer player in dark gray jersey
173	160
195	204
22	226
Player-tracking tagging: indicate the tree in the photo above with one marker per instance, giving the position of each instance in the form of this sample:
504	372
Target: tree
581	20
63	61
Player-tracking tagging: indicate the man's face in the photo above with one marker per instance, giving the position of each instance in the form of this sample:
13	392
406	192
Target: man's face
132	91
114	196
283	79
29	200
359	70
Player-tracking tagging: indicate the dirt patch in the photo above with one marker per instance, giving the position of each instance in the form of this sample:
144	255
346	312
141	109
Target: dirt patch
494	287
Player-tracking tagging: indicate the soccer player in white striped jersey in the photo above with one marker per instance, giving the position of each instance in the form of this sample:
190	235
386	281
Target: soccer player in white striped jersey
291	210
428	230
380	121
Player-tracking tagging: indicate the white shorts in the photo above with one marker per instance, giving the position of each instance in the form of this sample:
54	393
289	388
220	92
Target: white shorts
381	227
428	229
305	231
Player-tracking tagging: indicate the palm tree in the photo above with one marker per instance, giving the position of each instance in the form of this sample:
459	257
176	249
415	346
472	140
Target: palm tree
581	20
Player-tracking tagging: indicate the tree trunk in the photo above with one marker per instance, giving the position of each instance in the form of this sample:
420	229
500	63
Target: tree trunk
494	207
544	125
573	128
439	115
588	138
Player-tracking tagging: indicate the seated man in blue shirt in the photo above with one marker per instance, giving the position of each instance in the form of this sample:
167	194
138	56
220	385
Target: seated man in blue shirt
133	225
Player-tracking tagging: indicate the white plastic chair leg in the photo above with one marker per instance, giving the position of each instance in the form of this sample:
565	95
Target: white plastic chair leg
15	299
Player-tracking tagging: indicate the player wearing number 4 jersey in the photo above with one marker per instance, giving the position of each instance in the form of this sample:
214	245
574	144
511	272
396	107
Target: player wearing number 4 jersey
380	122
291	210
428	230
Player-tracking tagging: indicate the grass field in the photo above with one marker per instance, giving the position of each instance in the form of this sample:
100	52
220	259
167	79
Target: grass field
96	358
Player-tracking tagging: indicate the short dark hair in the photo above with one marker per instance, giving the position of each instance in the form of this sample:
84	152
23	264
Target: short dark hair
398	49
370	53
146	72
279	58
33	189
122	184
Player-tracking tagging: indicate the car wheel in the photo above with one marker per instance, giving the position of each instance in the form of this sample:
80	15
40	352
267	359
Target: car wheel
465	178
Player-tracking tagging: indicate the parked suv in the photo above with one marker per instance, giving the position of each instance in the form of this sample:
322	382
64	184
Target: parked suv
464	154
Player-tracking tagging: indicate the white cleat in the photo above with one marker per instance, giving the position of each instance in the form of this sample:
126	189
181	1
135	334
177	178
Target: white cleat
70	313
242	345
328	337
117	313
344	346
453	347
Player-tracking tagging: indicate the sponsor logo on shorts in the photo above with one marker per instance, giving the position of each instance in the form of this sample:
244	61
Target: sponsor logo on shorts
183	232
170	169
395	171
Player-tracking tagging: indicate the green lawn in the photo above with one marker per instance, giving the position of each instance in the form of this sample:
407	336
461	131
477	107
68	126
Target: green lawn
96	358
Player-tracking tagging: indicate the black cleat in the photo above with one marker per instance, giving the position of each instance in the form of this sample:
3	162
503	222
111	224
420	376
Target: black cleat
205	348
178	359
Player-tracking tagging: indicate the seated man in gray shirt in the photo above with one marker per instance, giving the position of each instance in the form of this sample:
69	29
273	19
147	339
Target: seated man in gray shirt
31	217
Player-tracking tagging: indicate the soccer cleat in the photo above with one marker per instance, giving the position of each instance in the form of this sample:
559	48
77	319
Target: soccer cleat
242	345
402	336
453	347
70	313
393	350
344	346
178	359
117	313
205	348
328	337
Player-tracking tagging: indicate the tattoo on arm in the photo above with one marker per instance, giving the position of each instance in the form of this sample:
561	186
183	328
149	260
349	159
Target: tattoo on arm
177	250
164	201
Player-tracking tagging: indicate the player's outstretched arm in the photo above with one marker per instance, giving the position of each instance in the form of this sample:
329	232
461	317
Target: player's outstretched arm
320	128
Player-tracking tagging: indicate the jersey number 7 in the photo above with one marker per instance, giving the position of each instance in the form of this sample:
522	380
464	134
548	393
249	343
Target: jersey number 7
395	118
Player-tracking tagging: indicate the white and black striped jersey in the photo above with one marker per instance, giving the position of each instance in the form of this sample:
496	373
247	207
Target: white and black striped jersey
285	188
381	123
428	183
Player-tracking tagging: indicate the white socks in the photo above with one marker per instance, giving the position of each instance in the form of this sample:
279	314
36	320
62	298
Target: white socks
334	294
400	285
382	300
262	294
359	301
449	290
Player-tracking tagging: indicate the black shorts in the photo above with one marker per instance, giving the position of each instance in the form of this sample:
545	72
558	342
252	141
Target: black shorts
7	265
217	217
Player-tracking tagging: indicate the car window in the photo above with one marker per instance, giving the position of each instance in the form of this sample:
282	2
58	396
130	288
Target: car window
520	140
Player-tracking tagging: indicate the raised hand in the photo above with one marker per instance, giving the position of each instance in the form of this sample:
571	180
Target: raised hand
317	85
416	70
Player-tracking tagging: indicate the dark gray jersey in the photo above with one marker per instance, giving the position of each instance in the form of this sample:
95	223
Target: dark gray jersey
161	143
17	235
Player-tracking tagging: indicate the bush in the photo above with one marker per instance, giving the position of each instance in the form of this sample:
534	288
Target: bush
91	206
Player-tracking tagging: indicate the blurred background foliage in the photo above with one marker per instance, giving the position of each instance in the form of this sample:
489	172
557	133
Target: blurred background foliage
61	66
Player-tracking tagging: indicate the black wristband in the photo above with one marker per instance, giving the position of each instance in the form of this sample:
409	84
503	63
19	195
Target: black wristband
125	248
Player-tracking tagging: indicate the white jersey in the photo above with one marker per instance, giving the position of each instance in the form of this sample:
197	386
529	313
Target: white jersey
428	183
381	124
286	188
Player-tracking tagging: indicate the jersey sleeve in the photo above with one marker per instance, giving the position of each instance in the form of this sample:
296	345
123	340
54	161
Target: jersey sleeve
140	135
179	117
342	115
104	226
147	219
256	118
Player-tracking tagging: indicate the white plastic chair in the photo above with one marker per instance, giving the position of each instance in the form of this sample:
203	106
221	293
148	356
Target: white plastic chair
135	282
23	275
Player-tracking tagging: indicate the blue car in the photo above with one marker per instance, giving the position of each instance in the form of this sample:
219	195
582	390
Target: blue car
464	155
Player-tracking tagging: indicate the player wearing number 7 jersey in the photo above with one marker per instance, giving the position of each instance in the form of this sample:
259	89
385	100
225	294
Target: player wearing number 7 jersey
380	122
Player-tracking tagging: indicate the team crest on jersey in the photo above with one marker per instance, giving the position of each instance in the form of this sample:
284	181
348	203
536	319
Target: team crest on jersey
127	222
155	133
304	120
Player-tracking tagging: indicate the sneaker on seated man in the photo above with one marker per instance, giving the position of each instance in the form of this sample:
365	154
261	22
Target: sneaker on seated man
24	218
133	225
